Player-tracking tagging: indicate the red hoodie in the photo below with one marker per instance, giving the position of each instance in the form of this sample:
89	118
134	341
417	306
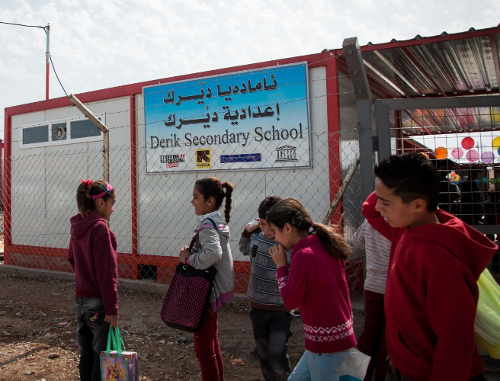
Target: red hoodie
92	254
431	295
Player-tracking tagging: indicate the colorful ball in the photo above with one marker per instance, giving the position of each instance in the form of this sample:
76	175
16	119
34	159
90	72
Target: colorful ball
495	143
468	143
441	153
472	155
487	157
457	153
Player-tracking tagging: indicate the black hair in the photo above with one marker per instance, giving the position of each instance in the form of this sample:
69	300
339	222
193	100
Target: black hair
291	211
266	204
212	187
410	176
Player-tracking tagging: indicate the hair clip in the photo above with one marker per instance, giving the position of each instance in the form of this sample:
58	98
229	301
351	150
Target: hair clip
88	182
223	185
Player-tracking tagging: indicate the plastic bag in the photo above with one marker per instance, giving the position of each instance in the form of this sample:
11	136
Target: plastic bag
355	366
487	324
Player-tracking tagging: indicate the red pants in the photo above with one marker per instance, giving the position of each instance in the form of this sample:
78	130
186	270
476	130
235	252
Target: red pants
207	349
372	340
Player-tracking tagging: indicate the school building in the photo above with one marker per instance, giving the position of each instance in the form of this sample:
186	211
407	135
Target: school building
309	127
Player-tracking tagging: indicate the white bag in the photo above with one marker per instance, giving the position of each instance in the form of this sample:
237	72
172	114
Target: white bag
355	366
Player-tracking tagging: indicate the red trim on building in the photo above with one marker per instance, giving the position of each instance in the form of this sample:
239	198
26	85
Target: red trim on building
136	88
133	172
333	117
7	186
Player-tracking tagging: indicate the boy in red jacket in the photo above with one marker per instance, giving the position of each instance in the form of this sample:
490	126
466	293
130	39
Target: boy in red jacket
435	261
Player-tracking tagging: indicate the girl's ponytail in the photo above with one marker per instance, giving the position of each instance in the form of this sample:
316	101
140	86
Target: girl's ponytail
229	191
291	211
333	242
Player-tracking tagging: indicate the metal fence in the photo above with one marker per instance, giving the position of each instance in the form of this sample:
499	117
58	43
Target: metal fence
153	226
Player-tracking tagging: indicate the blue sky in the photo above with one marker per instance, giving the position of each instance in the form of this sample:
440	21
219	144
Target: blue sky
97	44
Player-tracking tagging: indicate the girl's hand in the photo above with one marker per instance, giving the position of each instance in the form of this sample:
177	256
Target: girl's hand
184	254
112	320
278	255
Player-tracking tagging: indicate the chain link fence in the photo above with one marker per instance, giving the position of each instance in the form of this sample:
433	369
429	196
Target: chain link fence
43	192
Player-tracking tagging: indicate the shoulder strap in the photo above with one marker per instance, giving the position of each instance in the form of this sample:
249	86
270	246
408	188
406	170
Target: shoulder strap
198	230
212	221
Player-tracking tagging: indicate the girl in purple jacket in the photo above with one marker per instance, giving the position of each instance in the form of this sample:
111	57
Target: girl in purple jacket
92	254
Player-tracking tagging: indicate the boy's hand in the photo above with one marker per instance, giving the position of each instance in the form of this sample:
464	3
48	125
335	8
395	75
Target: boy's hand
278	255
112	320
253	225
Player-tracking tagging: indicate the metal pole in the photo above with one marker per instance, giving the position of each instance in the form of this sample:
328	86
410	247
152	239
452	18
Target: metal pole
47	63
340	193
100	126
359	79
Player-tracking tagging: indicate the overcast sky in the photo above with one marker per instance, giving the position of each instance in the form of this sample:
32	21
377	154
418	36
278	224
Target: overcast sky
96	44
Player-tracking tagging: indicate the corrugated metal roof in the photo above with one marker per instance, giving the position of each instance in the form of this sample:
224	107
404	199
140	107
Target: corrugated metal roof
447	65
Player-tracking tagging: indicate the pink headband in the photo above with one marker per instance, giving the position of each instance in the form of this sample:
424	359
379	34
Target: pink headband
107	190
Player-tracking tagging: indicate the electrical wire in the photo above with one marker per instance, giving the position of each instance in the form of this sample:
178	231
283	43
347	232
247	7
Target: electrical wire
55	72
24	25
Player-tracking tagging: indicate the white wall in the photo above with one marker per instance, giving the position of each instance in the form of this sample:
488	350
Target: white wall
45	179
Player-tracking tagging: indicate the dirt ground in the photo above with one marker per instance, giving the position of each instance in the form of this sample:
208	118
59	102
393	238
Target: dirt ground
38	341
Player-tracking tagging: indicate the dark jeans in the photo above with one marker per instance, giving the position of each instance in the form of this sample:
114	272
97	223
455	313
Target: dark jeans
372	340
207	348
271	331
92	335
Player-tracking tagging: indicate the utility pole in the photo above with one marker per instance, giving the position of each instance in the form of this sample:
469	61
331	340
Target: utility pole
47	59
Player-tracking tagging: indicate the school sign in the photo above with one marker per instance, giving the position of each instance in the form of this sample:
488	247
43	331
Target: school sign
256	119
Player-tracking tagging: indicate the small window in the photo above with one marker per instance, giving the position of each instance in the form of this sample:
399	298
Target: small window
58	131
38	134
83	129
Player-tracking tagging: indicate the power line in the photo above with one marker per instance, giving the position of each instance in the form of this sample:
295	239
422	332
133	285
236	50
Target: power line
55	72
24	25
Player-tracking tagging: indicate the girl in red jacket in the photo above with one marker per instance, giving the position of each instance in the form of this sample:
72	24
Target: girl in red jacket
316	284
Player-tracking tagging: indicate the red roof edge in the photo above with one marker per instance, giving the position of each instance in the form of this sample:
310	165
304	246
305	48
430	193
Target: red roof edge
136	88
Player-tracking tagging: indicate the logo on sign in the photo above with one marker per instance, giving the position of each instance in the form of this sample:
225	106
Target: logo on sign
286	153
203	158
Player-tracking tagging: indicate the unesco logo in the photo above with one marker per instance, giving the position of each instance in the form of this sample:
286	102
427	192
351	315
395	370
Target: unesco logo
286	153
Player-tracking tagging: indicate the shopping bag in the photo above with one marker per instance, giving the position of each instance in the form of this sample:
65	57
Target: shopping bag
355	366
487	323
116	363
188	297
